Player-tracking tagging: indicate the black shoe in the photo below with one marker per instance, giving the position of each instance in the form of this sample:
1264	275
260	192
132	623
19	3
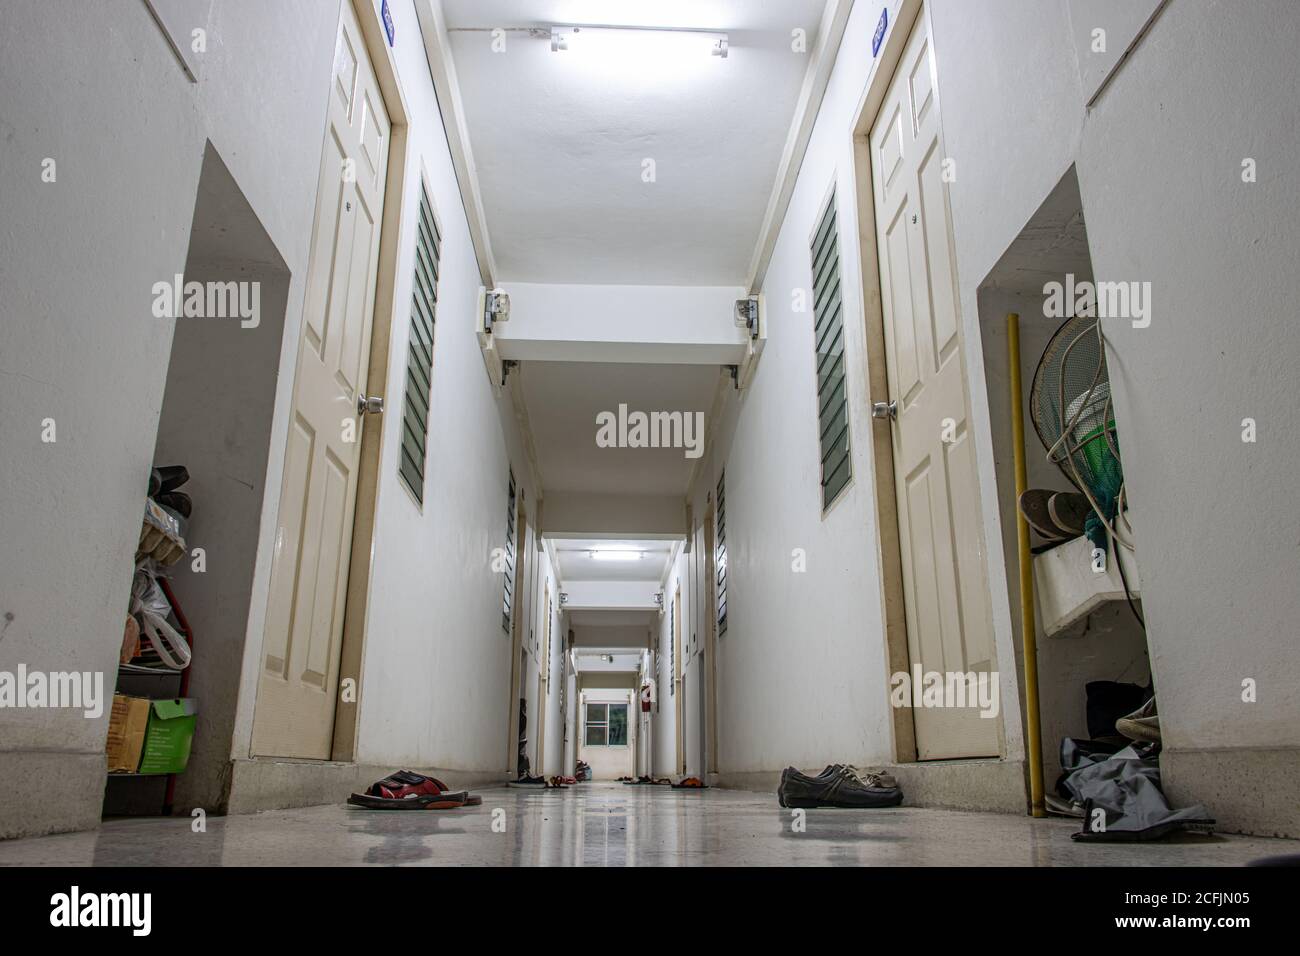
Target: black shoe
843	788
170	477
883	779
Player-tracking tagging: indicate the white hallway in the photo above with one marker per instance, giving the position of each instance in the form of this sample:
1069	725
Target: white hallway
461	576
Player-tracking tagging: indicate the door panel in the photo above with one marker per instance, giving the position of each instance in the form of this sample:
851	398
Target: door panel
298	686
945	591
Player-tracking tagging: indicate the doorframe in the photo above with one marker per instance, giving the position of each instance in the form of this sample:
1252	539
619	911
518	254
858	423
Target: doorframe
884	490
679	680
356	607
543	680
517	636
710	635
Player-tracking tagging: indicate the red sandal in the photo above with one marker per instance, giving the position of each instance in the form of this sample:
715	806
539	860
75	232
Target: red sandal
404	790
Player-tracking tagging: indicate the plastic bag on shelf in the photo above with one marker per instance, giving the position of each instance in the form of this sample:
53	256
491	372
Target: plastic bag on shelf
151	609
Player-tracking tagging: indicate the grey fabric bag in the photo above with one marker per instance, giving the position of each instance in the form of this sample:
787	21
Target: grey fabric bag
1126	790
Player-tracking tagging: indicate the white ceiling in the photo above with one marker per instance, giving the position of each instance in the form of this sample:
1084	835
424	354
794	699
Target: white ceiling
559	138
563	399
576	563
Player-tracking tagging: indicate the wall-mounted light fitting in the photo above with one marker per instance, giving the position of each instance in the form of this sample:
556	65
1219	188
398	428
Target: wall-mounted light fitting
746	315
750	314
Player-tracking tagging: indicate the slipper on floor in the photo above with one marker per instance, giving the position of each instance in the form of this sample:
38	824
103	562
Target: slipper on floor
690	783
528	783
404	790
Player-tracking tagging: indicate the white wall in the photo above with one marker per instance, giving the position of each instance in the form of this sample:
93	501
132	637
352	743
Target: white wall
570	719
544	716
802	671
1159	161
77	340
78	344
664	715
435	600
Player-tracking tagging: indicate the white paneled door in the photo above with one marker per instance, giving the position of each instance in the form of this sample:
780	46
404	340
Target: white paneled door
299	681
949	627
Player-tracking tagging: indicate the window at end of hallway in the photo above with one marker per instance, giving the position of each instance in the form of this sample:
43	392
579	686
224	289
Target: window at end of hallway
419	350
508	597
606	725
828	333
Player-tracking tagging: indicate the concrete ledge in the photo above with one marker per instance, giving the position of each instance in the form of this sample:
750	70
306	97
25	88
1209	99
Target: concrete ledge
271	784
1246	790
993	785
997	786
74	802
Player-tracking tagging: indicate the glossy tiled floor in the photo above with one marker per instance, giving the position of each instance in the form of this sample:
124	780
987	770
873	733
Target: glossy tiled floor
613	825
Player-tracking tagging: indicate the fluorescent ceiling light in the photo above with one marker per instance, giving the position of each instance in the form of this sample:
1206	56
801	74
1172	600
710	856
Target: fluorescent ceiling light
616	555
639	43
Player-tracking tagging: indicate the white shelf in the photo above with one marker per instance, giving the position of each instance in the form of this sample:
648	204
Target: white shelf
1068	589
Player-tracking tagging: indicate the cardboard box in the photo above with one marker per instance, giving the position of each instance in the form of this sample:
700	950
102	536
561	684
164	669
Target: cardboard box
150	736
169	736
127	725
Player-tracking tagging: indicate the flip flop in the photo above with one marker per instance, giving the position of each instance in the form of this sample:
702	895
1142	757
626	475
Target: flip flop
404	790
1033	505
690	783
1069	511
528	783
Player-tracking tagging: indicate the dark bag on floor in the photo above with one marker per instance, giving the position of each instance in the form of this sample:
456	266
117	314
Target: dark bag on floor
1110	700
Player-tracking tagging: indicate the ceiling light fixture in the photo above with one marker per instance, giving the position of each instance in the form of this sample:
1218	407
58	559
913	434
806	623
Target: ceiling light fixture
716	42
620	555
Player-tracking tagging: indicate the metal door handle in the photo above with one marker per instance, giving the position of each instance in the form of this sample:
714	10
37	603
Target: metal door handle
373	405
885	410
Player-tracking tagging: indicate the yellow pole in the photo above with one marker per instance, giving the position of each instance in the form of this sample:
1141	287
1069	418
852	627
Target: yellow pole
1033	732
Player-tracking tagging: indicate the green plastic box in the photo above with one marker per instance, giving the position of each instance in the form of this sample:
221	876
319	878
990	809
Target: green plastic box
169	735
